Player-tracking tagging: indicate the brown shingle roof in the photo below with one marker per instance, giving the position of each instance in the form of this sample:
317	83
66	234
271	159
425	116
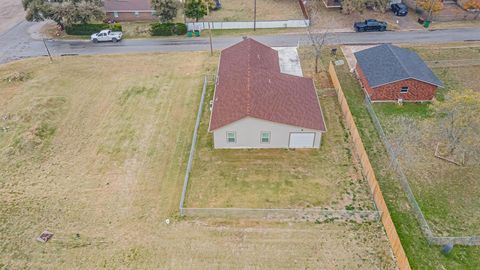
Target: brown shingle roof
250	84
127	5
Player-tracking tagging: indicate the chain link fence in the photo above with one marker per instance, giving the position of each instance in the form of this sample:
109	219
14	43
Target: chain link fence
435	240
307	214
206	79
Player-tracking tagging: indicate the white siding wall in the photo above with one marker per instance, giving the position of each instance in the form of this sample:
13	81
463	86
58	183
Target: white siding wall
248	132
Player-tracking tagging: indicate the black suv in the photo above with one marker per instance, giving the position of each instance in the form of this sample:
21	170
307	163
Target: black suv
370	25
399	9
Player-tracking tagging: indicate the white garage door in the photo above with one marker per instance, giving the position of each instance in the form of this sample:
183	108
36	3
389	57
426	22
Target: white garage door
301	140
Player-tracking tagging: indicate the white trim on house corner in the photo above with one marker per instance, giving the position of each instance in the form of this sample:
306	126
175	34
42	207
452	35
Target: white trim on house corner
214	94
409	78
320	106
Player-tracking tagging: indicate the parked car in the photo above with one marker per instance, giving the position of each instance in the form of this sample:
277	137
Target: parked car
218	5
106	35
399	9
370	25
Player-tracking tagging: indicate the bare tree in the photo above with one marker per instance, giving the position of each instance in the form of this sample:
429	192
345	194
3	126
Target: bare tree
459	122
351	6
317	38
401	132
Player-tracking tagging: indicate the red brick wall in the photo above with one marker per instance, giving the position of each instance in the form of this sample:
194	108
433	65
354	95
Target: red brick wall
417	90
130	16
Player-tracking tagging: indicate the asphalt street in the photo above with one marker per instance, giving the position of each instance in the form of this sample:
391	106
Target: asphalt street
17	43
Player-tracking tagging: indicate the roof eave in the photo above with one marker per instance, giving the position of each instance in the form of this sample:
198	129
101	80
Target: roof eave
403	79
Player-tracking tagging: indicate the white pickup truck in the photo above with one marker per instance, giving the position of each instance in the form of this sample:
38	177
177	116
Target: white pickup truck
106	35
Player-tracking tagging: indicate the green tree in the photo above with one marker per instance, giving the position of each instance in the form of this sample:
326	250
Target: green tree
165	9
195	9
64	12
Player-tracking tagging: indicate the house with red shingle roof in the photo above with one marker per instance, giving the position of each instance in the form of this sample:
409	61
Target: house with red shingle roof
255	105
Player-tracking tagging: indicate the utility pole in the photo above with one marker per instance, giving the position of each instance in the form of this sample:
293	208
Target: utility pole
210	36
209	29
431	10
254	15
48	51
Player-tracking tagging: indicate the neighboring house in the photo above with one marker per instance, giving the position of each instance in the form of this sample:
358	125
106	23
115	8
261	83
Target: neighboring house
390	73
257	106
129	10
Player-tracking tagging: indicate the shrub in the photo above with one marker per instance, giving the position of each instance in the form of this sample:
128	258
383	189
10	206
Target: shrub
91	28
168	29
180	29
85	29
161	29
116	27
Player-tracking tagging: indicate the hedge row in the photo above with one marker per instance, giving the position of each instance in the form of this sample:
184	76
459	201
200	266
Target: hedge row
91	28
168	29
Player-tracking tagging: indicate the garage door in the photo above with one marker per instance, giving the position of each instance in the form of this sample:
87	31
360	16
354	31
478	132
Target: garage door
301	140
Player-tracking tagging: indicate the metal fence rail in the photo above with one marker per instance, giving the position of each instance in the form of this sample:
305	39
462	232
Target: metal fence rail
306	214
431	238
192	148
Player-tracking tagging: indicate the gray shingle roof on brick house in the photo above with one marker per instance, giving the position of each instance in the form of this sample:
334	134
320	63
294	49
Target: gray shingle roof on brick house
387	63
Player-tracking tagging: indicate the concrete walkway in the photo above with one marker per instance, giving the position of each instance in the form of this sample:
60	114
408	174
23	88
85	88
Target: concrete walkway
289	61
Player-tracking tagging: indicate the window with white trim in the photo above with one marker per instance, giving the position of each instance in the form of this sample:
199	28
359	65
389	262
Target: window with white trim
136	13
404	89
115	14
265	137
231	137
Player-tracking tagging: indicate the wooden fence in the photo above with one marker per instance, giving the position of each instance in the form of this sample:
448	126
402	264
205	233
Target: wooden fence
304	9
398	251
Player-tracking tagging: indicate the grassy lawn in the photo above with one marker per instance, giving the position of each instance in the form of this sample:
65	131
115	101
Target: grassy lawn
455	24
242	10
420	254
280	178
96	151
444	191
451	51
136	29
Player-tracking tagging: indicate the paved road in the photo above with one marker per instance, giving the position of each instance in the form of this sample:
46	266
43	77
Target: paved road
17	44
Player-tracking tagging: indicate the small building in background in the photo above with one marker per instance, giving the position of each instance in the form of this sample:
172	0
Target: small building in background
129	10
390	73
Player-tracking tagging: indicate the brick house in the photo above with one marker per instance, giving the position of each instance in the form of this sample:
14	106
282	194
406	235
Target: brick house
390	74
129	10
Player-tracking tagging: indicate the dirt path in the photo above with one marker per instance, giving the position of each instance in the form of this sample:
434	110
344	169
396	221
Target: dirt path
11	13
